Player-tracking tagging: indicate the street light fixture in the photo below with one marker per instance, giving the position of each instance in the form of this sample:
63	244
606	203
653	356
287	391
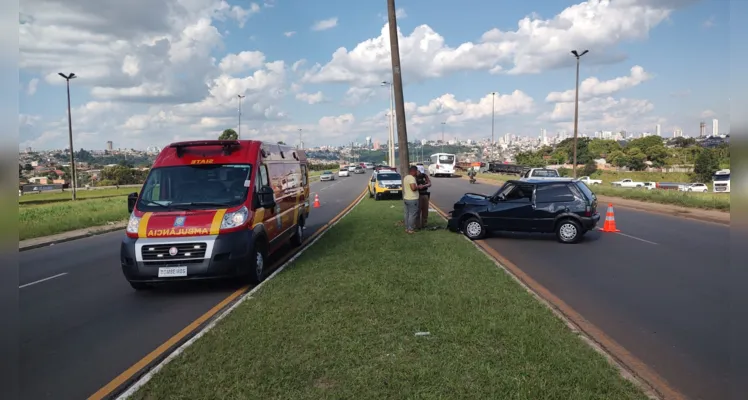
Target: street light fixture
74	177
576	111
239	133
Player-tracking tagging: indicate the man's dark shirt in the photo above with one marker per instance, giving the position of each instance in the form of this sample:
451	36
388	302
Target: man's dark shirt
421	180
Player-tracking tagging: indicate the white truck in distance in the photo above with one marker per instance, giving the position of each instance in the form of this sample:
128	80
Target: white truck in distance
589	181
541	173
628	183
721	181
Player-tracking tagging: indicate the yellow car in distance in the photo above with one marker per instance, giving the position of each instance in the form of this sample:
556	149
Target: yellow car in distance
385	184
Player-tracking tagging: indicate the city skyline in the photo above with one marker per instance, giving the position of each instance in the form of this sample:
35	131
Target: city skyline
148	93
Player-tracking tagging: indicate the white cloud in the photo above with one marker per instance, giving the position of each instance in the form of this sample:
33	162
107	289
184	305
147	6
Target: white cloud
400	13
311	98
535	46
33	84
325	24
709	23
289	33
235	63
708	114
593	87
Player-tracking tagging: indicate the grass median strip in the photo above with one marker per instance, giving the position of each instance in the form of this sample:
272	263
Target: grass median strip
344	322
49	219
42	198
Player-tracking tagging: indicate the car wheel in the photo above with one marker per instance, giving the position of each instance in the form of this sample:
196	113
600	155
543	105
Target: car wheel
473	229
257	264
569	231
377	197
298	237
139	286
371	195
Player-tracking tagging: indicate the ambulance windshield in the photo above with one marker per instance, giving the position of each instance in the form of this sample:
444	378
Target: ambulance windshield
194	187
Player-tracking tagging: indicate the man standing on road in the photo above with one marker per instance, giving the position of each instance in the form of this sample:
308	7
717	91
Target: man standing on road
410	198
424	182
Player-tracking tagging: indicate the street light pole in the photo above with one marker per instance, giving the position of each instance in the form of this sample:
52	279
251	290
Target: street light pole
443	123
391	117
300	143
576	112
493	115
239	133
74	177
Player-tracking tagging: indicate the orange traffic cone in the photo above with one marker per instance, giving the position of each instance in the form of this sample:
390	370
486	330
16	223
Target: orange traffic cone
316	200
610	220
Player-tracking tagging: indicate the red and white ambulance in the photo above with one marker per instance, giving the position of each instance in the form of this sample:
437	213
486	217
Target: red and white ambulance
215	209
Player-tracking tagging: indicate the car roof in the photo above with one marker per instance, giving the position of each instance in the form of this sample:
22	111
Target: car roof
536	181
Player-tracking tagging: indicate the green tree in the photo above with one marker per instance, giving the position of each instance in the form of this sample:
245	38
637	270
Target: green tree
282	142
599	148
27	167
636	159
530	159
589	168
705	166
658	155
228	134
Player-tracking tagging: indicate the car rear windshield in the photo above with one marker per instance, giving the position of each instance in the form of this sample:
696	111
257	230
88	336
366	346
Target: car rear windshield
188	187
587	192
388	177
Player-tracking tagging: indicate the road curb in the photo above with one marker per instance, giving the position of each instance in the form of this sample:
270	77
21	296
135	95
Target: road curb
628	365
131	380
45	241
676	211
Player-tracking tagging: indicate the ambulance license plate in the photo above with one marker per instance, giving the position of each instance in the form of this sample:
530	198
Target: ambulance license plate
394	191
171	272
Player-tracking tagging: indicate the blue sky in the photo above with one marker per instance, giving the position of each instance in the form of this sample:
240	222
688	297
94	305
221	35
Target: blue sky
683	51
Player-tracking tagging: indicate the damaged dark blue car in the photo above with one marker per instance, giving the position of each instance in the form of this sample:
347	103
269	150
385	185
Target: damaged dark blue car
564	206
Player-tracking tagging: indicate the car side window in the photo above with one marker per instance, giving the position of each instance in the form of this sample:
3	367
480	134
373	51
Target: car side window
262	177
558	193
303	175
520	193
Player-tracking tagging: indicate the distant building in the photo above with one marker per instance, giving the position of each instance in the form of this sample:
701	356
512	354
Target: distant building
702	129
715	127
109	145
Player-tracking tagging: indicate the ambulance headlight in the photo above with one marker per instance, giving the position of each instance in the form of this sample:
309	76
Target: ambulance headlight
234	219
133	224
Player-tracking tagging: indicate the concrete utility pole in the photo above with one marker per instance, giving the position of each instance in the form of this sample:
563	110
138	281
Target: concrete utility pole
576	111
397	80
73	173
239	133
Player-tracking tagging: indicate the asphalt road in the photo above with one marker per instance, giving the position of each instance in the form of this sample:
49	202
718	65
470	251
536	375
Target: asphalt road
86	325
659	288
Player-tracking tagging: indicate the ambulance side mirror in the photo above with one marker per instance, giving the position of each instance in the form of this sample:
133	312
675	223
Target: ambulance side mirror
266	197
132	198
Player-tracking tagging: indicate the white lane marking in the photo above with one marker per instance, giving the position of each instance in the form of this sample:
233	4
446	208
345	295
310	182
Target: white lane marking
632	237
247	296
42	280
